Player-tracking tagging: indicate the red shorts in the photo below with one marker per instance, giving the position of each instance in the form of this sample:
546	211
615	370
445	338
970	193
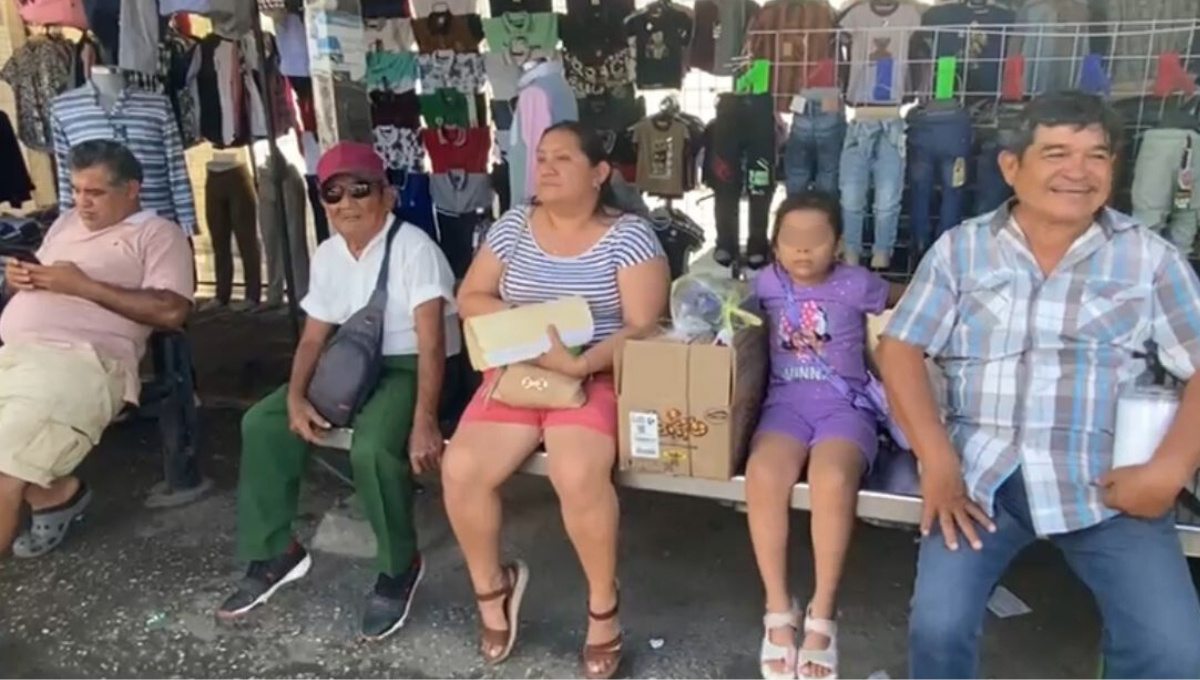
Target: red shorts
598	414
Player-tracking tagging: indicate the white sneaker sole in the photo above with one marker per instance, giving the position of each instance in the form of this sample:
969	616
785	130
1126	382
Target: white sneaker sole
298	572
412	593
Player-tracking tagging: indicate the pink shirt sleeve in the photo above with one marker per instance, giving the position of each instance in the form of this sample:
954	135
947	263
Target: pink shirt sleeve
533	115
168	260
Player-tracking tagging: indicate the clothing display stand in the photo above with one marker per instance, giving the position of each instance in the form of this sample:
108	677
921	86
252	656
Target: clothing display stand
281	216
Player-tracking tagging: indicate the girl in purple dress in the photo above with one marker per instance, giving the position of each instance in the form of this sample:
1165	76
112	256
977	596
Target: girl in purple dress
816	312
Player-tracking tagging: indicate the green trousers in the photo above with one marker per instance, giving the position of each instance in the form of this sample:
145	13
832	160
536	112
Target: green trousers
273	459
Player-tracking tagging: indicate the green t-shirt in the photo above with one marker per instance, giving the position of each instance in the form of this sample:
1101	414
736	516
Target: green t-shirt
532	31
395	71
451	107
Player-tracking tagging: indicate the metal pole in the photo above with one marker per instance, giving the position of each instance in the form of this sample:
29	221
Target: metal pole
275	164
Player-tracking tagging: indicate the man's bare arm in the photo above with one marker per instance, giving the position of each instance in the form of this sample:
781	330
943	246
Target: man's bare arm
159	309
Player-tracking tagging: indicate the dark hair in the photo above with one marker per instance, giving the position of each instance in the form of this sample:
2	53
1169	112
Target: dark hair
120	161
1073	108
820	201
592	145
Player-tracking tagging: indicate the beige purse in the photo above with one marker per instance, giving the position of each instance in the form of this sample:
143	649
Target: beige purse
529	386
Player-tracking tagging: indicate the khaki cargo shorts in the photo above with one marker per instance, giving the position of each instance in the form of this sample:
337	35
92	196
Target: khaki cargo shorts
54	404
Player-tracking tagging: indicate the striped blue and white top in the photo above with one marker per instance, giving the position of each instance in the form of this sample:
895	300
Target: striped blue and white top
145	123
531	275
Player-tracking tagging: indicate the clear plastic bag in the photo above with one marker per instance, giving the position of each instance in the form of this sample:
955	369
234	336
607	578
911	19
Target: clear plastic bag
706	308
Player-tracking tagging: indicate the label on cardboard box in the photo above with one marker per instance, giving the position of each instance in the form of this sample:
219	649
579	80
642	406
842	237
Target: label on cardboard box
643	435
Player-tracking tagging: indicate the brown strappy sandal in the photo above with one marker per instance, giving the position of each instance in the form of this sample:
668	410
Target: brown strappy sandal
516	577
607	655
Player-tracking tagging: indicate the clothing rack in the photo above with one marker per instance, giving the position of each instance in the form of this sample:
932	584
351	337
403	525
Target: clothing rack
1114	38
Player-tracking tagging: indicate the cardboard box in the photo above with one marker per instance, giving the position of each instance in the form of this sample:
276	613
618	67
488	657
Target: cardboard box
519	334
690	410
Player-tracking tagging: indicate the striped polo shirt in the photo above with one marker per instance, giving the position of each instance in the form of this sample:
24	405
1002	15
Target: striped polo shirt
143	122
531	275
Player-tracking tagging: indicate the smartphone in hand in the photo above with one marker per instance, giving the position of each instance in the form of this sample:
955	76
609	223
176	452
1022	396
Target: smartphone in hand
23	256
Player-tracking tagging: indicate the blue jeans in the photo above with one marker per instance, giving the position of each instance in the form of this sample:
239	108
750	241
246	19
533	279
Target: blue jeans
814	150
991	191
940	142
873	151
1135	569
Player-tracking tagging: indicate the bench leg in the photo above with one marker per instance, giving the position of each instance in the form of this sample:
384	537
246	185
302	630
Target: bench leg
182	480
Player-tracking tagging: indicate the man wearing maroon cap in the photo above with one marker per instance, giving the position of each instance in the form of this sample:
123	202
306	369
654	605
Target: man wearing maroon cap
395	433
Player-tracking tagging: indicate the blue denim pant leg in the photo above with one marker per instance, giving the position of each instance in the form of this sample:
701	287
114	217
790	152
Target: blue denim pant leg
854	182
813	151
953	586
829	133
1136	570
888	169
991	191
922	170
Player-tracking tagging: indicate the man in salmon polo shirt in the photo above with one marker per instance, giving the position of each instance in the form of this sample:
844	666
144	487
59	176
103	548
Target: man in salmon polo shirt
74	330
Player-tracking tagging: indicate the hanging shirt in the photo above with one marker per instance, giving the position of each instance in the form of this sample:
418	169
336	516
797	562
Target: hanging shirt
797	32
545	100
500	7
139	36
38	71
144	123
662	143
389	35
596	54
445	31
398	109
451	70
422	8
393	71
385	9
720	33
451	107
661	36
1052	56
979	51
104	18
879	45
293	46
53	12
522	31
15	185
459	192
458	148
400	148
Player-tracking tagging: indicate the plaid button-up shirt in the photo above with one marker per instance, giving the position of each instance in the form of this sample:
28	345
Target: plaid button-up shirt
1034	364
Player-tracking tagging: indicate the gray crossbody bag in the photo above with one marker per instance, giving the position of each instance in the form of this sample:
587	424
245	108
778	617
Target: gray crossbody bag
349	367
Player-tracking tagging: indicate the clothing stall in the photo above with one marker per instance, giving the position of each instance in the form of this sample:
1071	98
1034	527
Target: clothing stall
137	72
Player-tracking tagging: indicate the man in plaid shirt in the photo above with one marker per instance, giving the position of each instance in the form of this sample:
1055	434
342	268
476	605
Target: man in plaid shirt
1034	314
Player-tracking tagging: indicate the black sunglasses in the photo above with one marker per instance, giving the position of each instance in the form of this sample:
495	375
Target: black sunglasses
332	194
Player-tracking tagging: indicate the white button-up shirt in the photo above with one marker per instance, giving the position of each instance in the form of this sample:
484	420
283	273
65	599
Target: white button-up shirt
418	272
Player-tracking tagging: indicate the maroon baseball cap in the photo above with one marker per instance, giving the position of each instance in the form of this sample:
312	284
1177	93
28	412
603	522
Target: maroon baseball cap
351	158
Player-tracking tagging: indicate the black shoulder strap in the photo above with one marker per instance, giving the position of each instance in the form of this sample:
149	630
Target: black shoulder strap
381	282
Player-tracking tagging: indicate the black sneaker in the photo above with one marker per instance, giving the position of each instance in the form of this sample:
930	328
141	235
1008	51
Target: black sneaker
387	607
263	578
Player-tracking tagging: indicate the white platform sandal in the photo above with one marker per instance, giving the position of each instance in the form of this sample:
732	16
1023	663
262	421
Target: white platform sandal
825	658
772	652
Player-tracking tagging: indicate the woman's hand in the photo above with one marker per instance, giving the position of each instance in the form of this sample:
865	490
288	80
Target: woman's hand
560	359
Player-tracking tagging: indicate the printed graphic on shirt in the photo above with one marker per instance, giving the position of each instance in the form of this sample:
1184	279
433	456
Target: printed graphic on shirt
804	341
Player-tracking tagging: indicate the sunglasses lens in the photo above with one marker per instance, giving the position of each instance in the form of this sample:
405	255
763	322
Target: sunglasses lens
361	190
332	195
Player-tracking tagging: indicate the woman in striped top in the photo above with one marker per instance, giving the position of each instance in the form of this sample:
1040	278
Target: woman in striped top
569	242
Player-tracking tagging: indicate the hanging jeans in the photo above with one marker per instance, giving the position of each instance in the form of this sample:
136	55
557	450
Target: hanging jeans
269	215
742	157
1156	184
320	219
231	213
872	154
814	149
991	190
939	144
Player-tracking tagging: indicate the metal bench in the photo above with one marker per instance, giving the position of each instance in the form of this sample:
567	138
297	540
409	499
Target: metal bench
169	398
